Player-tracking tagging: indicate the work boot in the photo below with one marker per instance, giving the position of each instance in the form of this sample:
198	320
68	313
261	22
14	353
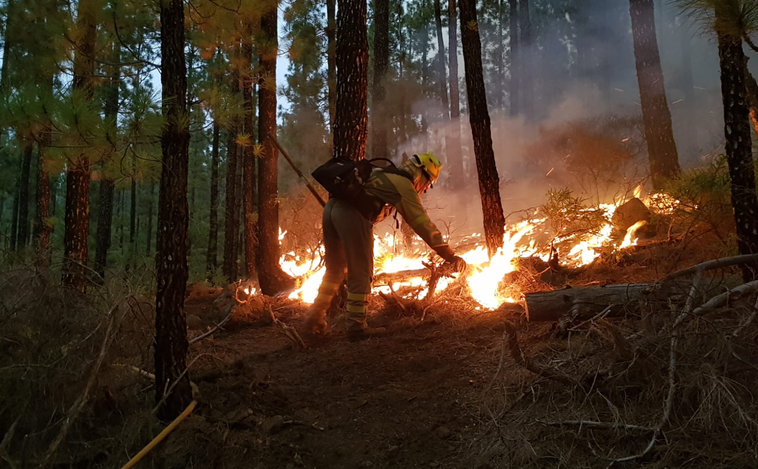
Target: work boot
316	322
363	332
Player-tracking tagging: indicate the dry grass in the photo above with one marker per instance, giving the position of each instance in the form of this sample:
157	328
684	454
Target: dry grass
623	371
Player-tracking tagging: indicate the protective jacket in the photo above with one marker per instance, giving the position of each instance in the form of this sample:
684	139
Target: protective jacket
396	191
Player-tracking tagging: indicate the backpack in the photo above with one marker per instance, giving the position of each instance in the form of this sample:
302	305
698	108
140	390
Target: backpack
346	179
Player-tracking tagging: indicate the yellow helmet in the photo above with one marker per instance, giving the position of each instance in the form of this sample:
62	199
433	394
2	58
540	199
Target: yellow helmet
429	164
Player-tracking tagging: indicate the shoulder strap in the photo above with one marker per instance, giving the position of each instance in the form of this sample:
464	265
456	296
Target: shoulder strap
397	171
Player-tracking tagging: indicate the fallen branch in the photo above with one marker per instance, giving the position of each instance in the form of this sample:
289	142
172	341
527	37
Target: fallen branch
167	392
7	440
518	355
289	331
76	408
720	263
217	327
598	425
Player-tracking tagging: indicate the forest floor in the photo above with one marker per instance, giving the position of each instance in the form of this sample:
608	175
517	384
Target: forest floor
445	391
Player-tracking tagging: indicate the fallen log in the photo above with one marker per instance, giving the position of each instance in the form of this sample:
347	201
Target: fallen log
583	302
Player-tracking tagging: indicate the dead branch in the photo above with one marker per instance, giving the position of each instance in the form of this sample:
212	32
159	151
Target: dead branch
7	440
720	263
518	355
591	424
722	299
76	408
167	392
749	320
289	331
217	327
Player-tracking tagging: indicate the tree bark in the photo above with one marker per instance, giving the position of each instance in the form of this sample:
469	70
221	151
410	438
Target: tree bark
664	159
150	204
171	262
249	177
351	118
14	215
441	73
586	302
42	227
211	260
104	225
271	278
331	60
526	75
107	185
76	233
479	117
738	141
379	117
23	201
515	65
453	138
231	221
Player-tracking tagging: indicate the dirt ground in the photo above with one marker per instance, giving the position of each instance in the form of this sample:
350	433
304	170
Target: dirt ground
399	401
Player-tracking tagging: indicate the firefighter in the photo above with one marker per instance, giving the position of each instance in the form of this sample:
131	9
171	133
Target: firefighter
349	239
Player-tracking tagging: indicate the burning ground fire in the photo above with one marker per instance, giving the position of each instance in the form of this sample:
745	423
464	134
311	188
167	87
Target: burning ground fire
484	275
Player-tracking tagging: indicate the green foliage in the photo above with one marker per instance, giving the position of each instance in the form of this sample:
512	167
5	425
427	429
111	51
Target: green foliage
737	18
567	214
704	194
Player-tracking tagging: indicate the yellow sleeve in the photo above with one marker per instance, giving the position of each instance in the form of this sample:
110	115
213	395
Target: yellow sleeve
409	207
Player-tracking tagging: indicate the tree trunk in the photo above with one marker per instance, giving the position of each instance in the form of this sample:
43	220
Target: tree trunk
23	201
738	141
585	302
171	262
149	241
211	261
271	278
453	138
664	160
107	185
351	118
133	208
231	221
479	117
14	216
379	117
751	93
515	65
526	70
441	73
104	225
331	60
76	233
42	227
500	59
249	176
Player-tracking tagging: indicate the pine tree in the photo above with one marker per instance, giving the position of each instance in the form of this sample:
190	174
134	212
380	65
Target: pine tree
75	249
211	261
454	142
379	115
489	181
441	71
664	160
351	119
171	262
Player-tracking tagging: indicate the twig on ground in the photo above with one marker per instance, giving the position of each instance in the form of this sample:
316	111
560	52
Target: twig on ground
598	425
749	320
7	440
169	389
76	408
289	331
520	357
502	358
217	327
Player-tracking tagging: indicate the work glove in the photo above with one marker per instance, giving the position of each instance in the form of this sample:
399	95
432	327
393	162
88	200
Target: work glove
457	264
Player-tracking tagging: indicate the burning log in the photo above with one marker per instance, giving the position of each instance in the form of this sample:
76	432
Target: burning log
584	302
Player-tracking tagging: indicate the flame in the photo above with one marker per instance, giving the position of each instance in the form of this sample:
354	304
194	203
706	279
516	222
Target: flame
638	191
485	275
628	241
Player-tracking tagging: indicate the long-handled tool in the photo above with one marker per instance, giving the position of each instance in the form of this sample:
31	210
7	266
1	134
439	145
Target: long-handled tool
299	173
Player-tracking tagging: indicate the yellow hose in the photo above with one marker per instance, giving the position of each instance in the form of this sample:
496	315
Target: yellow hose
133	462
